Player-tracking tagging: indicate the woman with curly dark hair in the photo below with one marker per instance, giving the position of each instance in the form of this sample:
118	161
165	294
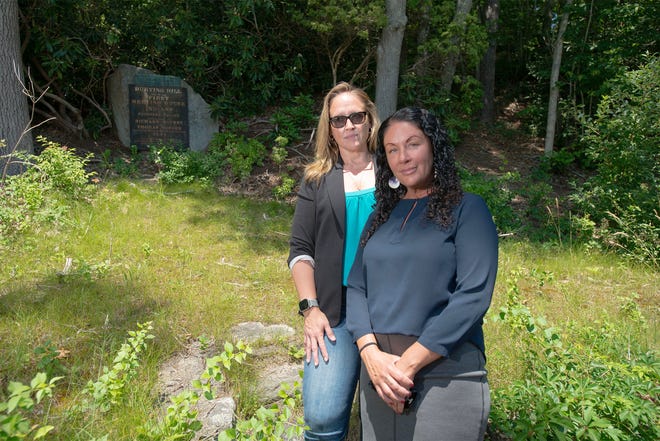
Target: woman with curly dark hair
420	286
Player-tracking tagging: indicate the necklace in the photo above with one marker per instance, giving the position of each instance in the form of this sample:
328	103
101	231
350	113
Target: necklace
405	221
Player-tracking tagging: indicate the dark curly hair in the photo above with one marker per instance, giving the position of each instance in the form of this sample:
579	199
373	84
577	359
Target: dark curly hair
446	191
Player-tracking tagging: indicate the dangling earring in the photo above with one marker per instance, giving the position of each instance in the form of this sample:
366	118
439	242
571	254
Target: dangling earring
393	183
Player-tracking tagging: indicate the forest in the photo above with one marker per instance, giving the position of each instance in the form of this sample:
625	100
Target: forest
465	60
582	78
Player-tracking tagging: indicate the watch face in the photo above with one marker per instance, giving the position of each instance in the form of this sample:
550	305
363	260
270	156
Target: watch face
307	303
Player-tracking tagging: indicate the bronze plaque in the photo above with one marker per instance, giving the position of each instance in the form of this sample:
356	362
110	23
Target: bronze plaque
159	115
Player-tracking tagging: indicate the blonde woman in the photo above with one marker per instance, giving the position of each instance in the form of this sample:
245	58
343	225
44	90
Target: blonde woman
335	199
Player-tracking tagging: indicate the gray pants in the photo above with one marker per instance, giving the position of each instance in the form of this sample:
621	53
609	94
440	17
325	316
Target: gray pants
452	401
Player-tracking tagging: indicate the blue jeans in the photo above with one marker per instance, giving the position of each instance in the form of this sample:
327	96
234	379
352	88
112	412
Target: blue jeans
329	388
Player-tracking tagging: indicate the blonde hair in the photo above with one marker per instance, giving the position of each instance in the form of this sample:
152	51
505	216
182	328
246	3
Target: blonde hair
326	151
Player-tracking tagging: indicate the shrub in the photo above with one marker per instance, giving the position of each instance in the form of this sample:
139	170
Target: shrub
14	422
285	188
111	386
289	120
241	154
623	141
497	195
184	166
582	391
52	181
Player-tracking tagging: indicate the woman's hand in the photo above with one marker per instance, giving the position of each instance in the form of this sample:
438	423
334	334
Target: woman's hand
316	327
391	384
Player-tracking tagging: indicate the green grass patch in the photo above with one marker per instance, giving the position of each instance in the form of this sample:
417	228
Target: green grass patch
195	263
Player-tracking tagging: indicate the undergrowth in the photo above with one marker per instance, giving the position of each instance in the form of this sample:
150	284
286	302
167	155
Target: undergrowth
191	260
585	390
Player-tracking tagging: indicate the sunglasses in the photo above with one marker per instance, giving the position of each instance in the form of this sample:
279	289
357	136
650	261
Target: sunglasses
340	121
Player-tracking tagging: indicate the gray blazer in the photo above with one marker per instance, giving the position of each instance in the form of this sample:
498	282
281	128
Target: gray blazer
318	230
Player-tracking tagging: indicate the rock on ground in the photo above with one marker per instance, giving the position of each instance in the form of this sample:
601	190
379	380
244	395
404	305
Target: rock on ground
177	374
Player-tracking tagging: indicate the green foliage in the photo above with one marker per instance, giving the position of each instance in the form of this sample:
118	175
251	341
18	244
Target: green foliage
122	166
296	352
187	166
53	181
623	142
453	110
48	359
111	386
180	421
238	56
21	401
581	391
240	153
421	77
290	119
497	195
284	188
557	162
344	33
279	152
603	39
273	423
61	170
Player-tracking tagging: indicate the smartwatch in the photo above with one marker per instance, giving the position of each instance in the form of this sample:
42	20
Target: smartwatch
305	304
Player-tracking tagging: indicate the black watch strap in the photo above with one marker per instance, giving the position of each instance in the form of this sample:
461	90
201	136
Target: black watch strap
305	304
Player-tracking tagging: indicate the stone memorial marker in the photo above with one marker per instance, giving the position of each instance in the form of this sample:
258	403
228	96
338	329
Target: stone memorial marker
158	115
150	109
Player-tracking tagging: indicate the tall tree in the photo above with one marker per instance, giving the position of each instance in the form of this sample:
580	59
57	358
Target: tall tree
491	12
346	30
457	27
557	50
389	57
14	117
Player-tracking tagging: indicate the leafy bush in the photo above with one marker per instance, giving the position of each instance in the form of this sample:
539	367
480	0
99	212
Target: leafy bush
241	154
497	195
124	167
581	391
273	423
49	359
186	166
623	141
557	162
279	152
181	421
285	188
14	422
109	389
289	120
44	192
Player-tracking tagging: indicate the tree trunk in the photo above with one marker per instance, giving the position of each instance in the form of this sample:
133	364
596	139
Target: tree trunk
487	68
557	50
458	24
424	27
14	117
389	55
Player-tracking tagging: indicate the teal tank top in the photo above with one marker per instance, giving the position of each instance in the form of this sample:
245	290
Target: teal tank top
359	205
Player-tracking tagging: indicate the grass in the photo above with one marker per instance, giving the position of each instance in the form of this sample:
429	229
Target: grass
196	263
570	288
